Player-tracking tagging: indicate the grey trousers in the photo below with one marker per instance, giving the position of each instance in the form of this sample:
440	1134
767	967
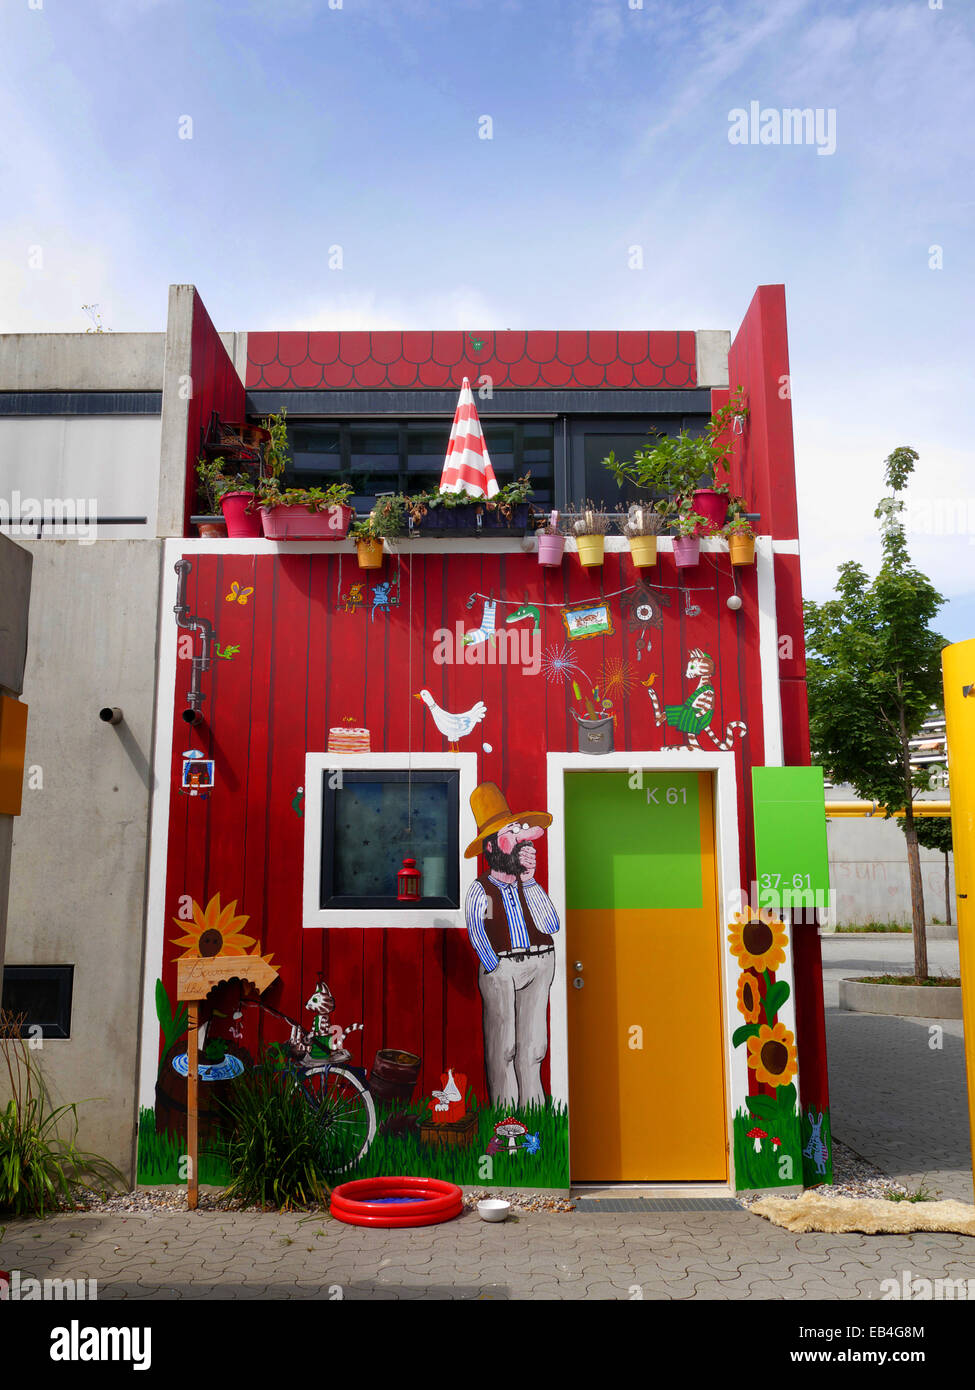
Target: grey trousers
515	998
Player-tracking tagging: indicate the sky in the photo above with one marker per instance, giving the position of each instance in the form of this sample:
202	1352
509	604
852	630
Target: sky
232	143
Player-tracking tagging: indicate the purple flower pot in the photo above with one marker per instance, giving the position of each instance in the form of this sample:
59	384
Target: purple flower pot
687	551
550	549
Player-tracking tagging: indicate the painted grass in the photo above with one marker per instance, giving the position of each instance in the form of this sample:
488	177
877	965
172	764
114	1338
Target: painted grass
405	1155
159	1156
767	1168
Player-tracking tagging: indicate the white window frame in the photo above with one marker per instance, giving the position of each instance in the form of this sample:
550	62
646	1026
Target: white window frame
316	764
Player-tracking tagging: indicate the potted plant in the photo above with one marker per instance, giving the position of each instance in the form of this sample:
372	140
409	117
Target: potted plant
551	541
308	514
642	526
741	540
688	526
387	519
232	494
685	468
589	528
471	516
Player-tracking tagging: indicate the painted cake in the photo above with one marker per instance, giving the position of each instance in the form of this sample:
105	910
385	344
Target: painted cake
345	740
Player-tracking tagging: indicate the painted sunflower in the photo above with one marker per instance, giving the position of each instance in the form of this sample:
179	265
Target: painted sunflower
772	1055
213	931
758	940
749	999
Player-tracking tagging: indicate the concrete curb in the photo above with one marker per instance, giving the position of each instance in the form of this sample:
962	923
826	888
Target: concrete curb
904	1001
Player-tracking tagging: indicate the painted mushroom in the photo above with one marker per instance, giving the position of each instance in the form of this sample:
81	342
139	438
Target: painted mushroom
512	1130
776	1144
758	1135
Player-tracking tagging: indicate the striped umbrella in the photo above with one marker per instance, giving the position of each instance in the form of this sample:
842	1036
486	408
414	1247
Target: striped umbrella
467	467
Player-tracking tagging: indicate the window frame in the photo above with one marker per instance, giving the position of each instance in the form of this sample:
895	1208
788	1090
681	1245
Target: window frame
316	766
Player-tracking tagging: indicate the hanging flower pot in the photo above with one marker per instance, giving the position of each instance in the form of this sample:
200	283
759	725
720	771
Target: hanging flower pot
590	550
643	551
550	549
741	549
687	551
370	554
712	506
242	524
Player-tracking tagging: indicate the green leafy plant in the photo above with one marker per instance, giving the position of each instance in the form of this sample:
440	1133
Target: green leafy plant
681	464
277	454
510	496
688	522
173	1025
387	519
275	1153
40	1169
314	499
738	526
215	483
873	672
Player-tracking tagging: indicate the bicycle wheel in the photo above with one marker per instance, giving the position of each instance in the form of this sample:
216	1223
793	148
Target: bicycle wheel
346	1115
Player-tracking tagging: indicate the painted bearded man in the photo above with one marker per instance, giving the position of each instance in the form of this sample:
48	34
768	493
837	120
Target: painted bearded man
511	922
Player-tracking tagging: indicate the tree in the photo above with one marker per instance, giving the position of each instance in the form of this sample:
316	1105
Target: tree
873	673
934	832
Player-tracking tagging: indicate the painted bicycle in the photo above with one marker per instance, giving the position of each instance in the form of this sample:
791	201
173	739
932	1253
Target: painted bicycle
320	1067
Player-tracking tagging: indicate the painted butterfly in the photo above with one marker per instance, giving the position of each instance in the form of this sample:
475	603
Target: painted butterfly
237	594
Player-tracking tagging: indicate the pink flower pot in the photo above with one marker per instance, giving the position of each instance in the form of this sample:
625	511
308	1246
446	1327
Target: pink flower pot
687	551
241	524
713	506
550	550
299	524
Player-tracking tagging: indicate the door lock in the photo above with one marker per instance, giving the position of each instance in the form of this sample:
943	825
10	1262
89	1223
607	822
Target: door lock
578	983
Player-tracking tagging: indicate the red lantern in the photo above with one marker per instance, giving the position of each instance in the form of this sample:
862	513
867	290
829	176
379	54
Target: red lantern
408	882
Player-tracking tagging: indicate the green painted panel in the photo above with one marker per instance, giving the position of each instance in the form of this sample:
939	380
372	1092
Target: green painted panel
790	837
632	846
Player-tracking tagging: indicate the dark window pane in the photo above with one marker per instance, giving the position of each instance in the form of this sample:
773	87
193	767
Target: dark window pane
42	993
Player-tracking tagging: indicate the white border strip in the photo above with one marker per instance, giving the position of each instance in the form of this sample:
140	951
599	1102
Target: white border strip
314	916
768	653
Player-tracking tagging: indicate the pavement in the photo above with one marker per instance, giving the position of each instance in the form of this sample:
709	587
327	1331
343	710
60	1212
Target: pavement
895	1100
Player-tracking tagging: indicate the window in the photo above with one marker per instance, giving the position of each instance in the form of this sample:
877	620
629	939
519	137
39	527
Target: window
374	820
367	812
42	993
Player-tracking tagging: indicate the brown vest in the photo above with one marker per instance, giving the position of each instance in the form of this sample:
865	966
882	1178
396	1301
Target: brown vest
496	927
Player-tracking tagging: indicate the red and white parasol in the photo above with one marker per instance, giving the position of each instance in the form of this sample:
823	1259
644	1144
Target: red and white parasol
467	467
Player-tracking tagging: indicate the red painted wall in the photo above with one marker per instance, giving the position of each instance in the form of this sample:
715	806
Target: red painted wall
216	386
306	665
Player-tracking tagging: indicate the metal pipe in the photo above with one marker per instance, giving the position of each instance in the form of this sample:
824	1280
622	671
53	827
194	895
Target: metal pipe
111	714
874	808
191	623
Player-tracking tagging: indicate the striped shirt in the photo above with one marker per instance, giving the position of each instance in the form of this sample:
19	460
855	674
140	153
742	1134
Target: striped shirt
476	908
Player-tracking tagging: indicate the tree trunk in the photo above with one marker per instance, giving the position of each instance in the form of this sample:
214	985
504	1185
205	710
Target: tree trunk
947	891
917	902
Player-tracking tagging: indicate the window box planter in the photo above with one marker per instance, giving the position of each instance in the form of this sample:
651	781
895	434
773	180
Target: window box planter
242	524
473	520
299	524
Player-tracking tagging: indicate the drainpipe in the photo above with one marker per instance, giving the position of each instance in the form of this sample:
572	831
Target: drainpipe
189	622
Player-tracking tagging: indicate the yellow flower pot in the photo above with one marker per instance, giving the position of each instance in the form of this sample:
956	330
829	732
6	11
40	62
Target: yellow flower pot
741	549
643	550
370	553
590	550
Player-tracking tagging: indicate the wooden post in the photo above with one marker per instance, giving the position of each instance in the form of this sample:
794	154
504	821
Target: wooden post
192	1090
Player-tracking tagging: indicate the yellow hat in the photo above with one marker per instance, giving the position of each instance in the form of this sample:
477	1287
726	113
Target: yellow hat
491	811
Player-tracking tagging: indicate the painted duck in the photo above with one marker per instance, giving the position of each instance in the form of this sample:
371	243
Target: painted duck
454	727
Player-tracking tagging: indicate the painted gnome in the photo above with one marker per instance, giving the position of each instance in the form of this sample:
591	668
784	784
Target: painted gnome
511	921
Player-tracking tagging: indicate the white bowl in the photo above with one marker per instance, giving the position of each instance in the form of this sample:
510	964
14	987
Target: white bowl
493	1209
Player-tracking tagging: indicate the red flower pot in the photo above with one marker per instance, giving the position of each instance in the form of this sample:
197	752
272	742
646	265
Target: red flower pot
299	524
687	551
713	506
241	524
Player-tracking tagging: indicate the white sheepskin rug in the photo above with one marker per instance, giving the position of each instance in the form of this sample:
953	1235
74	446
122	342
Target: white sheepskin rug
811	1212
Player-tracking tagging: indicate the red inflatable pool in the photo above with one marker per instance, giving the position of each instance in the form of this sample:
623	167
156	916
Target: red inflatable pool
396	1202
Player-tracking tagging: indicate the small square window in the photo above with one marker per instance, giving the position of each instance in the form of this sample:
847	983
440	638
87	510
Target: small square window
43	994
372	821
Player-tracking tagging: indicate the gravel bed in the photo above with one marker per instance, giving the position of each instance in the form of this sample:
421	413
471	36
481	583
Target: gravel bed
853	1176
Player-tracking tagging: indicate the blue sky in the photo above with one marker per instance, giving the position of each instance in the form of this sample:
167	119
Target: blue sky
357	126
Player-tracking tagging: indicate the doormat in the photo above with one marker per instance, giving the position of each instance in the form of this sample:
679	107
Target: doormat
873	1215
589	1205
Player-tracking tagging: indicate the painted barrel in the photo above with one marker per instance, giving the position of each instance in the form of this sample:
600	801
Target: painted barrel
394	1074
215	1087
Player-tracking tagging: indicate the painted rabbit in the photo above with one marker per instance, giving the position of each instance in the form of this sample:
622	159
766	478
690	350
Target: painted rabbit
816	1148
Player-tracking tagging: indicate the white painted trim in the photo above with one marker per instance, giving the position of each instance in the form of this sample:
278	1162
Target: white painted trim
785	547
723	765
154	945
430	545
768	653
316	764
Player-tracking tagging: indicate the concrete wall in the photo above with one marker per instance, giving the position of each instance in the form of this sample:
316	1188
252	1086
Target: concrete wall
113	459
81	361
77	889
868	870
15	572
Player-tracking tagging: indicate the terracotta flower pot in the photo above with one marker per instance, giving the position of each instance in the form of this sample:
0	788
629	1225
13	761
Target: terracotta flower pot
643	550
687	551
370	553
213	530
241	523
741	549
550	549
590	550
299	524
